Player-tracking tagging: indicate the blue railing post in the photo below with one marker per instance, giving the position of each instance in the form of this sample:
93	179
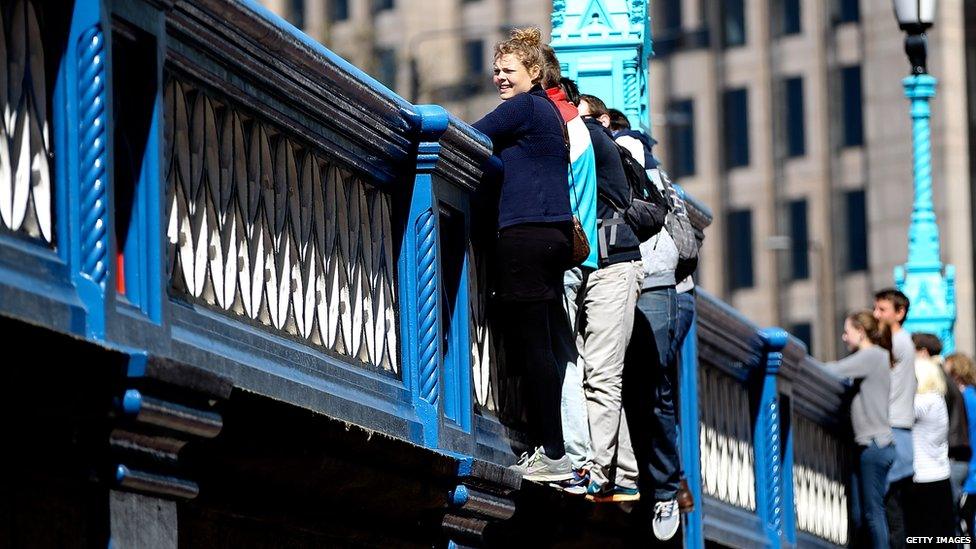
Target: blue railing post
87	192
689	432
770	500
420	280
786	479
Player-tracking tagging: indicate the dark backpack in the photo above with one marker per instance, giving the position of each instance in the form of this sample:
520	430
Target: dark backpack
648	209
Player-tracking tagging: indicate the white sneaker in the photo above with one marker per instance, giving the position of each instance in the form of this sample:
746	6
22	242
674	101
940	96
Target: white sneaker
666	519
540	468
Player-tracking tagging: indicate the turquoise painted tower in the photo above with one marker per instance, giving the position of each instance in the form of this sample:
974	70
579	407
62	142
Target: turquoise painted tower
604	45
930	287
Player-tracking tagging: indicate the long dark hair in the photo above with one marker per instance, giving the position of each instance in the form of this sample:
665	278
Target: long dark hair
877	332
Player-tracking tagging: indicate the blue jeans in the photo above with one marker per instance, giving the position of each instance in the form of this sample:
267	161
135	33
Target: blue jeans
904	466
648	393
868	487
686	315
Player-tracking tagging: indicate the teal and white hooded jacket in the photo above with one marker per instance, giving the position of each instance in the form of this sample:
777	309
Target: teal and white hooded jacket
582	171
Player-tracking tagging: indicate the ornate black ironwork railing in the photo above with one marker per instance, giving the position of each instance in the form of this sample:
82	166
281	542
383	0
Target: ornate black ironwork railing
26	136
264	227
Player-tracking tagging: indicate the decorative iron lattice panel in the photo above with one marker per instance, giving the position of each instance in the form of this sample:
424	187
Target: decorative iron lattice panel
25	147
266	228
819	482
496	390
727	455
482	348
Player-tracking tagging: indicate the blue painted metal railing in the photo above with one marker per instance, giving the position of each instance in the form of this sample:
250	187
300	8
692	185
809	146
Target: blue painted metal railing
200	181
768	456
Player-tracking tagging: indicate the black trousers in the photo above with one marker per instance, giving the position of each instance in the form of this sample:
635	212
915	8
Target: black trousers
530	329
931	511
530	261
897	506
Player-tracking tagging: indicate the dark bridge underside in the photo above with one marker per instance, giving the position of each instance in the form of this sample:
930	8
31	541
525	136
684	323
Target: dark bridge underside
276	476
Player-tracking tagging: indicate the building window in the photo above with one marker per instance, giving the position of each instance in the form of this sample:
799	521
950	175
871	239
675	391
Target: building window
850	80
857	230
733	23
739	247
790	17
380	5
474	57
297	10
670	16
681	137
736	108
803	332
386	66
339	10
848	11
799	254
795	133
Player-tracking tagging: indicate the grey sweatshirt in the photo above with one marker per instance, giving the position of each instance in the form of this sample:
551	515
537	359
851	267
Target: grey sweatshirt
903	382
869	409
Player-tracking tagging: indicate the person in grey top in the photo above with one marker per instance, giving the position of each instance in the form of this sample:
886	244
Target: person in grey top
870	341
891	309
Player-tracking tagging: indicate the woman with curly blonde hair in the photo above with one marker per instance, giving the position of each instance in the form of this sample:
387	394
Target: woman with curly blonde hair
534	242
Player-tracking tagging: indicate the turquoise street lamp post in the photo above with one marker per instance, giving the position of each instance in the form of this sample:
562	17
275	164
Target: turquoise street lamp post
929	286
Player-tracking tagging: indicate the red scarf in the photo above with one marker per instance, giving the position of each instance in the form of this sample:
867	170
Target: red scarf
566	109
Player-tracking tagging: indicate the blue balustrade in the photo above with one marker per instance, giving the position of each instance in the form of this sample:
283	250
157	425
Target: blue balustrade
201	184
229	193
773	437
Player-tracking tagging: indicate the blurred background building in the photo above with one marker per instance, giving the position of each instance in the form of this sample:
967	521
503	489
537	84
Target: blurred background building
786	117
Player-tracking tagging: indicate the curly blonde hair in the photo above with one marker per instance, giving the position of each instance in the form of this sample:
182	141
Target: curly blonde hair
962	368
526	45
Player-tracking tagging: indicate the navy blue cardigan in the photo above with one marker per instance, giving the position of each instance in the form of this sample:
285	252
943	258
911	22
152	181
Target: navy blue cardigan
527	135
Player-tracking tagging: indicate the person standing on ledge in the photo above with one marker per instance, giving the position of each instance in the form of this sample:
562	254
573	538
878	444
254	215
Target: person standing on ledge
534	244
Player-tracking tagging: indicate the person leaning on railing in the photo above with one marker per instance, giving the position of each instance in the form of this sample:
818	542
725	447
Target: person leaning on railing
869	365
534	245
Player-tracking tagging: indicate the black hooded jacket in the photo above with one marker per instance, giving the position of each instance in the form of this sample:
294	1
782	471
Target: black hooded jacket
617	242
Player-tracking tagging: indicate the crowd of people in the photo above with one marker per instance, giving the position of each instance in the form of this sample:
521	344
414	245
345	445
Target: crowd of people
592	292
593	295
909	414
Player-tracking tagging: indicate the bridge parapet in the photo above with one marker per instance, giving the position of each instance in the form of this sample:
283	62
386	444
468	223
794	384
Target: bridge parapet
772	447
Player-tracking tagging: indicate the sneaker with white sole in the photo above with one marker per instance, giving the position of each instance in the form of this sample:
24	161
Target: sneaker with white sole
618	494
541	468
576	485
666	519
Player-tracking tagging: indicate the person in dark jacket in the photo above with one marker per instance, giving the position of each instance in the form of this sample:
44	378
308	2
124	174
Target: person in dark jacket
637	142
534	244
962	373
608	305
930	347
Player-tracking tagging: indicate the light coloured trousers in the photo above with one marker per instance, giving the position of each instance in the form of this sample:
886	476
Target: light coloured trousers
576	428
610	302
